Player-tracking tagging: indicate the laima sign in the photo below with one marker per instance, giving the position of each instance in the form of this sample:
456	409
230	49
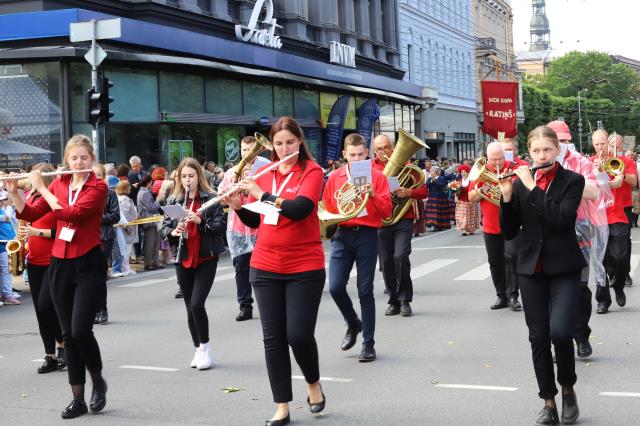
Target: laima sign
263	34
342	54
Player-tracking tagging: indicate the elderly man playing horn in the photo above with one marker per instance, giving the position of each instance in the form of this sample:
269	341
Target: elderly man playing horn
506	290
394	241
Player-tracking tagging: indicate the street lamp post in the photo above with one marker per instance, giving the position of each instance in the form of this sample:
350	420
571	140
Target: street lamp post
580	118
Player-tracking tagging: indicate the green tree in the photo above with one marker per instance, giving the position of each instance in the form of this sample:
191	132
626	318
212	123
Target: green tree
594	71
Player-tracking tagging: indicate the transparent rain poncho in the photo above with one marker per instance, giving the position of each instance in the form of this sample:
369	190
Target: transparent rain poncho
241	238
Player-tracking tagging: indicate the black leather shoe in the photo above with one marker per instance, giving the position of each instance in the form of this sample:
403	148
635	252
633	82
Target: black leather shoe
102	317
62	360
278	422
621	299
245	314
315	408
548	416
570	410
584	349
603	308
500	303
405	309
351	335
628	282
75	409
50	364
392	310
98	396
367	354
178	294
514	304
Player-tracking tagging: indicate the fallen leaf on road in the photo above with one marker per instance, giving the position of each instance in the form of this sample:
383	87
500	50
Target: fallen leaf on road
589	364
230	389
24	395
434	382
451	343
488	366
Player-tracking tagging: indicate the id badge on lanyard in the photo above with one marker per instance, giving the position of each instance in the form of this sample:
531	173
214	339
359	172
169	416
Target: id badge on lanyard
272	217
66	233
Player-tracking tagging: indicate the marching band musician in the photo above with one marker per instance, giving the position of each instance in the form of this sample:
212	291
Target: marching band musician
542	209
287	264
395	240
241	239
357	240
77	271
198	239
591	232
506	289
41	236
619	231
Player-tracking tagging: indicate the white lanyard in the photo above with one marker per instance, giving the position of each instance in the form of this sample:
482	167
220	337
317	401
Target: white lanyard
73	200
274	189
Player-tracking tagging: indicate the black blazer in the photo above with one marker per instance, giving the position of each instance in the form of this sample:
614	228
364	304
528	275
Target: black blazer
548	222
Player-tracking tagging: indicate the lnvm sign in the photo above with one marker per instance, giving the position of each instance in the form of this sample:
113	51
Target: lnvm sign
342	54
262	36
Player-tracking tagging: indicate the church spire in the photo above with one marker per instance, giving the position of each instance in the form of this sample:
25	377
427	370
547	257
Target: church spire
539	31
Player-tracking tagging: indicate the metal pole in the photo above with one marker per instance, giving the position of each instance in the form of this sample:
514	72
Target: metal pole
579	121
94	84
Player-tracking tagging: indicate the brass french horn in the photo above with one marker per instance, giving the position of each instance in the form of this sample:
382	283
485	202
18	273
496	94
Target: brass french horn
351	199
481	173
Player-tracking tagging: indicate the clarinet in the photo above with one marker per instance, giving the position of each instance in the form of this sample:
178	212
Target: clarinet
184	206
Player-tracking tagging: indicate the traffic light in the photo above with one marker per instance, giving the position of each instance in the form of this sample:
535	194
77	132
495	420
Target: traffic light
94	107
105	84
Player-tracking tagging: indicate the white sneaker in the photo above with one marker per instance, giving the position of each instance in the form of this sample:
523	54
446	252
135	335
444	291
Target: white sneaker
205	362
131	272
117	275
196	358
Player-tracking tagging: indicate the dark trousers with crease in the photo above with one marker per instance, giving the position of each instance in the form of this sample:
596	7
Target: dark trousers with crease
75	286
288	306
394	244
495	246
107	247
550	304
196	284
48	324
629	213
243	286
615	258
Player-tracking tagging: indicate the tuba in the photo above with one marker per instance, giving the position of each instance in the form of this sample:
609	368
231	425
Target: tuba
409	176
351	200
262	144
613	166
17	251
481	173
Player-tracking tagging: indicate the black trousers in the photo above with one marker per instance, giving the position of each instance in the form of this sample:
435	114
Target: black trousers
75	285
288	305
196	284
243	286
615	261
394	244
582	330
628	212
550	308
107	248
495	246
48	324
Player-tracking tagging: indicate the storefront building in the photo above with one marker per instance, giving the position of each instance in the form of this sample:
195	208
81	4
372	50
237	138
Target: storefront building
186	83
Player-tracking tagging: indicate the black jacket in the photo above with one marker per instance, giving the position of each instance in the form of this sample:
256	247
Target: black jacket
110	217
548	222
212	228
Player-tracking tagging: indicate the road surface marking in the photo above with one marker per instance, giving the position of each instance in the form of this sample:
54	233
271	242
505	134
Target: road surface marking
634	394
477	387
144	367
137	284
430	267
435	234
326	379
635	260
37	360
478	273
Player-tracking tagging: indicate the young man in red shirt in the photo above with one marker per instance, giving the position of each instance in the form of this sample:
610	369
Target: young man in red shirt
619	231
357	240
395	240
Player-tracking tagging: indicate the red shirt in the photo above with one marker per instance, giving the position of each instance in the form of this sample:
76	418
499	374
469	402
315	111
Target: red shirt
378	207
194	241
416	194
291	246
630	168
491	212
615	213
40	248
84	216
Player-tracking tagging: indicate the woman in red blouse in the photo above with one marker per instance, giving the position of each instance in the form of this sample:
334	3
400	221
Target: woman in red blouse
41	234
199	241
287	265
77	269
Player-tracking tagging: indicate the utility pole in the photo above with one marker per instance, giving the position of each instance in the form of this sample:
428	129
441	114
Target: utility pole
580	118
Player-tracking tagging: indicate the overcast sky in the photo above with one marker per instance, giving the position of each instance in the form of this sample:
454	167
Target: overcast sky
612	26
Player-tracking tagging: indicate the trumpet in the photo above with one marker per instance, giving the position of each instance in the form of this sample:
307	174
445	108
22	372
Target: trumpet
613	166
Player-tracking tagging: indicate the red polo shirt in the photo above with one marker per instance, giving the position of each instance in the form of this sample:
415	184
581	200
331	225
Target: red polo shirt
630	168
378	207
291	246
491	212
40	247
194	241
615	213
84	216
416	194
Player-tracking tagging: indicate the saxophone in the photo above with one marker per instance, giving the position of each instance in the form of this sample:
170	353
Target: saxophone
17	251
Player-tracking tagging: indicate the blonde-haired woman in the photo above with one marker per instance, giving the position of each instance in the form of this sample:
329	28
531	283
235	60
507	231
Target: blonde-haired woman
77	270
198	241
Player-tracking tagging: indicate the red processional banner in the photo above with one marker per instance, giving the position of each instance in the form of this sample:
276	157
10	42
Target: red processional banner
499	105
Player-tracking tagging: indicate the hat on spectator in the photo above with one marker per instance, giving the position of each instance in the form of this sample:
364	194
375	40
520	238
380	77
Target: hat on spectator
561	128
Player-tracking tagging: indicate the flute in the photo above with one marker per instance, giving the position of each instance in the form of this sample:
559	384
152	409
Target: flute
26	175
533	169
235	188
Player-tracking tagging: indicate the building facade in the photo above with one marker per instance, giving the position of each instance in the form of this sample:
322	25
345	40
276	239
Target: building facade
191	77
495	58
436	52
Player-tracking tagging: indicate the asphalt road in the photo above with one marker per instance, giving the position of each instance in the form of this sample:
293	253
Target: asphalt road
425	365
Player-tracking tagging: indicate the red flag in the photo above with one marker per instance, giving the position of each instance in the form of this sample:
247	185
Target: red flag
499	107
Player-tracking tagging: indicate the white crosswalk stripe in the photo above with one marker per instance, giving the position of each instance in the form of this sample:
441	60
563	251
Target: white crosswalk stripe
635	260
478	273
430	266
